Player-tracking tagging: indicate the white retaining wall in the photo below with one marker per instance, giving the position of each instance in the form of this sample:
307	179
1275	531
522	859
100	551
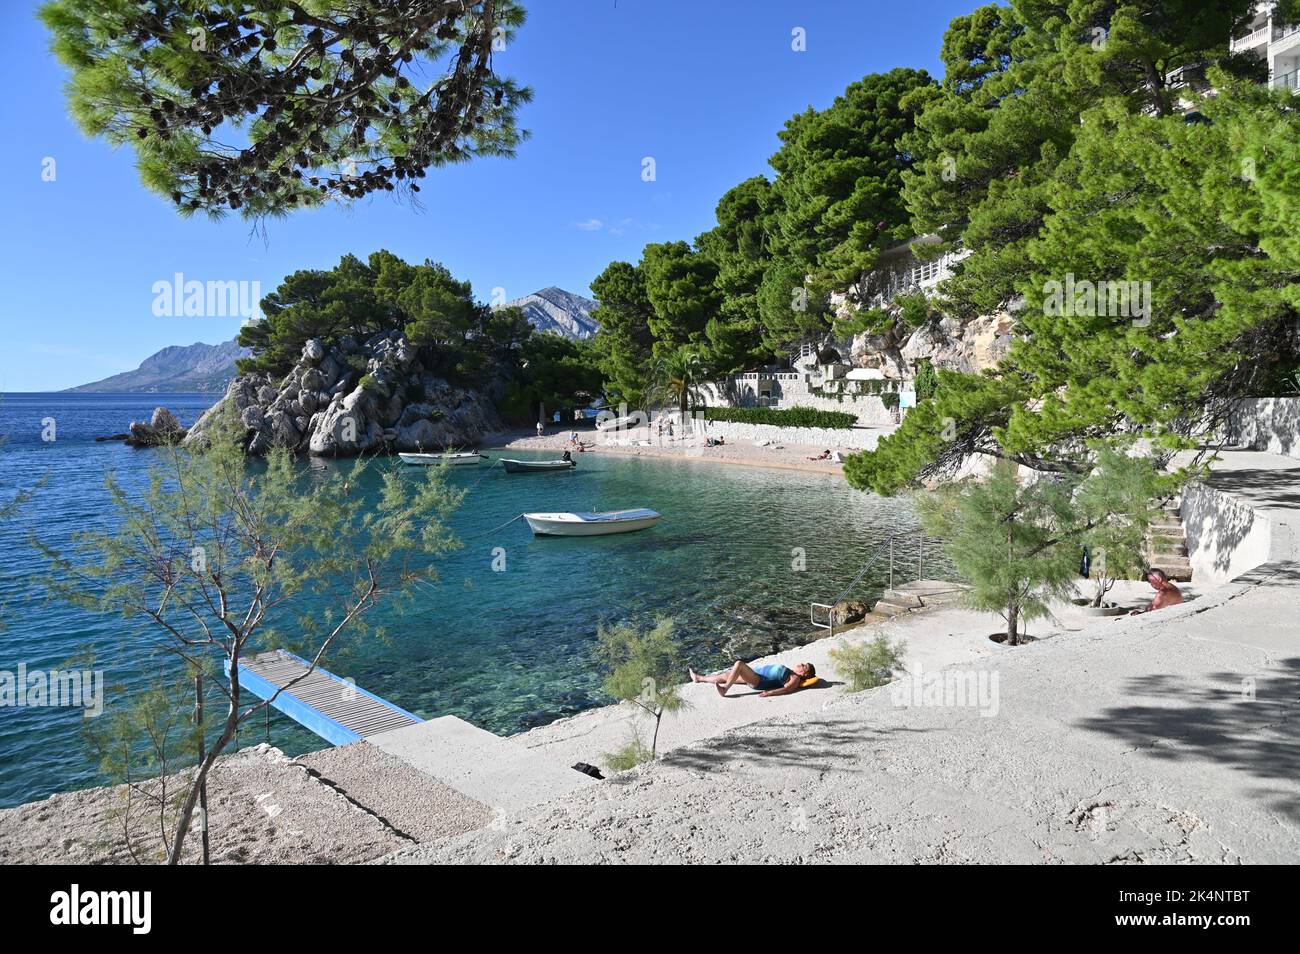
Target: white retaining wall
1226	537
791	390
1267	424
831	438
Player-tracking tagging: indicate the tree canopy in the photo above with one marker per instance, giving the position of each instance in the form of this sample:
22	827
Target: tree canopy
264	106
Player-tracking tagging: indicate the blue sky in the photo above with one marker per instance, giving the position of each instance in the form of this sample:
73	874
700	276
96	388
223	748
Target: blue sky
702	87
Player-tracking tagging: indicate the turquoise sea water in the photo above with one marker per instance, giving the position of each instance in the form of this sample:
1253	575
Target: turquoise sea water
504	650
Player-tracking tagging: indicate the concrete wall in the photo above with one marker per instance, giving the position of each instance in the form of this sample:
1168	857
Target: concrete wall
1267	424
830	438
1226	537
790	389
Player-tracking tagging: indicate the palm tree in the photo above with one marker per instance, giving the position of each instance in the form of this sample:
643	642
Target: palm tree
678	376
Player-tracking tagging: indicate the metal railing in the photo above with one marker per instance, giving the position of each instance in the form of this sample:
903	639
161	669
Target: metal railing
1286	80
886	547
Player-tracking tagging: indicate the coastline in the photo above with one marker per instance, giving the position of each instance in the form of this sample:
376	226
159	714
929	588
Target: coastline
641	442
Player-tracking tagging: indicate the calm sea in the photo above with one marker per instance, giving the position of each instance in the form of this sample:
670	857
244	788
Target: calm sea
504	650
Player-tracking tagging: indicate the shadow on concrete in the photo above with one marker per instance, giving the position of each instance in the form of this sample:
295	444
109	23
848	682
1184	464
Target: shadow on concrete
1261	487
1212	719
822	746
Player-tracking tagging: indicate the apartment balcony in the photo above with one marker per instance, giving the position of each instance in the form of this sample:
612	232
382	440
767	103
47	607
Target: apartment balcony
1286	80
1257	39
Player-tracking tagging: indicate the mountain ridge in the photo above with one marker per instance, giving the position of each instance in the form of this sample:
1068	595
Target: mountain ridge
210	368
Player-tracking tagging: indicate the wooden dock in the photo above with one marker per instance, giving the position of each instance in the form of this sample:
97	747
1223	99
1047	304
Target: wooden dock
334	708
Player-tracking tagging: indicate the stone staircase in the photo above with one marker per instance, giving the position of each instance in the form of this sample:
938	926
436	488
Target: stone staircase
912	598
1167	545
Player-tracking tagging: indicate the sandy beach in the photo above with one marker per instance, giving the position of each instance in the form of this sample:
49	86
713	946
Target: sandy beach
643	442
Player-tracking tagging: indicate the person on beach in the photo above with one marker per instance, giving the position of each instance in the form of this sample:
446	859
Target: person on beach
824	455
770	680
540	430
1166	593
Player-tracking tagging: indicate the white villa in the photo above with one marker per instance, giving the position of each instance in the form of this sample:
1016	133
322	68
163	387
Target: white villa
1277	42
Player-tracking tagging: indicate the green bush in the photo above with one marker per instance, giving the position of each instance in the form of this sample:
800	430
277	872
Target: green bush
781	417
629	756
868	664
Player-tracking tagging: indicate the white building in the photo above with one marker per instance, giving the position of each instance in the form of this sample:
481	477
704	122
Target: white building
1277	42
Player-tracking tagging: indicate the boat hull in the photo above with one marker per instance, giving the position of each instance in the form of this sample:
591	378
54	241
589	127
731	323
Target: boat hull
441	460
590	525
535	466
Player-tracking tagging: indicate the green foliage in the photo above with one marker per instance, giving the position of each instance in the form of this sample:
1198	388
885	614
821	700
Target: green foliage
1118	504
558	374
868	663
927	380
623	344
839	178
679	284
627	757
678	375
642	667
275	105
780	417
1004	537
1018	79
220	558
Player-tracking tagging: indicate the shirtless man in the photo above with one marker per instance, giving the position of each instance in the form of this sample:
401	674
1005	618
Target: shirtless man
1166	593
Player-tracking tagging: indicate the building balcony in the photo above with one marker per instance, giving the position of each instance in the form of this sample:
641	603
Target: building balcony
1258	38
1286	80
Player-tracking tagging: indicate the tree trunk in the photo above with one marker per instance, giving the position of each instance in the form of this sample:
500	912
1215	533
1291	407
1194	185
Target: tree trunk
203	786
201	779
1013	624
654	739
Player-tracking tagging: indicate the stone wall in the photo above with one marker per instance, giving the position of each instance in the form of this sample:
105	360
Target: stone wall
791	389
831	438
1267	424
1225	535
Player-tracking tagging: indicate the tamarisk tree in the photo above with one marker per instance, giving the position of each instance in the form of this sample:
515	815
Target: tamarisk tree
222	559
264	107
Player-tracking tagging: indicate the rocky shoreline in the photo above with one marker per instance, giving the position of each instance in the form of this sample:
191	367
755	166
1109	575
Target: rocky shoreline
355	397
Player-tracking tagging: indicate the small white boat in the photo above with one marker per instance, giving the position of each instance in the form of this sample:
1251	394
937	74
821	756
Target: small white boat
620	423
535	466
462	459
591	524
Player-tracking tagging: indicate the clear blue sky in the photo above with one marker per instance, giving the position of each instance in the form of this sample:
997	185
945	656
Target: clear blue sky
702	87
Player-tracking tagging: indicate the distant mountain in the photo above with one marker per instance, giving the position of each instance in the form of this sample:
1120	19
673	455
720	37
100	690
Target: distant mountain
554	309
196	367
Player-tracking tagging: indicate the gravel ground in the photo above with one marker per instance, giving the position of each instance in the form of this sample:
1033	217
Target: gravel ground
411	802
263	809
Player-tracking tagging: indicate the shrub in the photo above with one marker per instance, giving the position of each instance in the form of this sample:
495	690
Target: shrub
868	664
781	417
629	756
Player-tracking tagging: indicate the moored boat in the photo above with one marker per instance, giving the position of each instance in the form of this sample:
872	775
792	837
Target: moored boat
461	459
589	524
535	466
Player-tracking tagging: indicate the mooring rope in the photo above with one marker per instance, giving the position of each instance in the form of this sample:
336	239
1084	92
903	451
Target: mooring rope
518	516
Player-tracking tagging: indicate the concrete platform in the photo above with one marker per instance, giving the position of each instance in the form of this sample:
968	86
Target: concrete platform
489	769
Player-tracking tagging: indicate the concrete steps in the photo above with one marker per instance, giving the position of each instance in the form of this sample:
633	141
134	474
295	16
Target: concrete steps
1167	545
488	768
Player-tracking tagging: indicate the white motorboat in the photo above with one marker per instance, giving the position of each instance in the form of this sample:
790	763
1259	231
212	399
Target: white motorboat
535	466
591	524
461	459
620	423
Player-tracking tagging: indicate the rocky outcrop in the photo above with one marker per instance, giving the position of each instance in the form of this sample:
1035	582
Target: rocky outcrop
353	398
947	343
162	428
